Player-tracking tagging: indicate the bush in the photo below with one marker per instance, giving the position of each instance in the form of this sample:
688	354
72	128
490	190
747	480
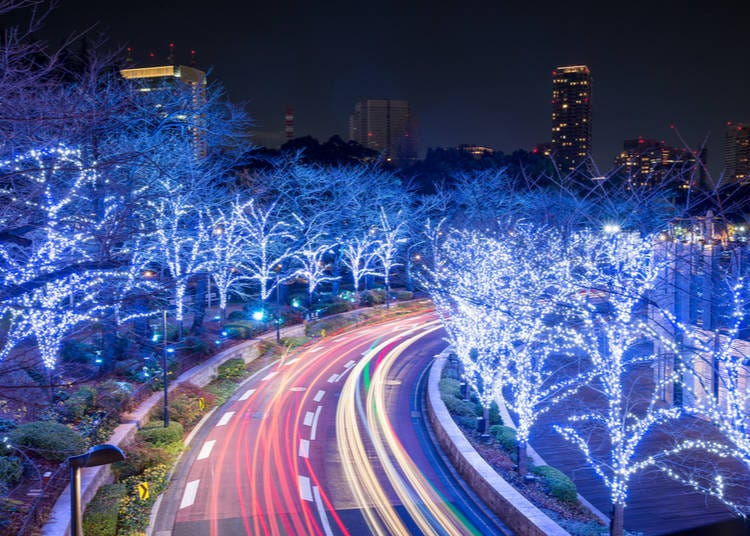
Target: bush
114	397
461	408
495	414
134	513
50	440
195	346
403	295
100	517
556	483
11	471
77	352
235	316
450	387
336	308
155	434
6	425
241	330
293	342
372	297
506	436
138	457
79	404
184	406
232	369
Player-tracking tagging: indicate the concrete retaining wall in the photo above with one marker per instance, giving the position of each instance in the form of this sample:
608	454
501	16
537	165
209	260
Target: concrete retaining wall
508	504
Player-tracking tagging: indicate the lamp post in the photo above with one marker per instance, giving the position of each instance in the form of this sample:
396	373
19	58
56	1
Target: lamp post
97	455
164	370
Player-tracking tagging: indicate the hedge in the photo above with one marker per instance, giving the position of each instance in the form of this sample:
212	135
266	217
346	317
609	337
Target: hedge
557	483
100	517
156	434
506	436
50	440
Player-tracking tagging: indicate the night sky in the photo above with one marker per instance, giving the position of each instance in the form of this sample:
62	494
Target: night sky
474	72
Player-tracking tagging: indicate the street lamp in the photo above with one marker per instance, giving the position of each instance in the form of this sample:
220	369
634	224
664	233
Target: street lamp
97	455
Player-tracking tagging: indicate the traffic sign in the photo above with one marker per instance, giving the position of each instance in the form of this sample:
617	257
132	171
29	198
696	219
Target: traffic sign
202	403
143	492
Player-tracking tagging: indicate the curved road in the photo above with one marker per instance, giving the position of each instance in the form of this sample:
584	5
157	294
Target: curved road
328	441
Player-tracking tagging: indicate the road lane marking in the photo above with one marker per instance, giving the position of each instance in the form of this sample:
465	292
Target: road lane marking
322	512
315	423
350	364
334	378
247	394
188	497
269	375
206	449
319	395
308	418
225	418
304	448
304	488
293	360
316	349
297	389
339	338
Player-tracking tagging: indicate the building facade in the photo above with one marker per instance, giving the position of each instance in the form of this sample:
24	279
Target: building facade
649	163
384	125
737	153
164	77
571	116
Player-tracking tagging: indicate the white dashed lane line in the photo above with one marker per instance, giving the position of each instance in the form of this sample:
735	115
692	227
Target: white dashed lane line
350	364
304	448
322	512
334	378
304	488
315	423
269	375
247	394
319	395
206	449
188	497
225	418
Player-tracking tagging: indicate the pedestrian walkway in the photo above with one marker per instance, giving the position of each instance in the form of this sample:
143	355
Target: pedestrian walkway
656	505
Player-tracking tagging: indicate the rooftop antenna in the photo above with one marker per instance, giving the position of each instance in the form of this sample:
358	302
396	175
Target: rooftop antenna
289	123
192	58
170	58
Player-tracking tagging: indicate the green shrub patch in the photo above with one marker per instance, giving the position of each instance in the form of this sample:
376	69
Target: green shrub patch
50	440
157	435
556	483
100	517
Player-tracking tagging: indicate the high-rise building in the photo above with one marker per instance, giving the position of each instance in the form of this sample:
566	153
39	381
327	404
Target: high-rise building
571	116
384	125
650	163
164	77
737	153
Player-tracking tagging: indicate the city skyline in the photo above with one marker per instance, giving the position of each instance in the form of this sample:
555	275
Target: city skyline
473	74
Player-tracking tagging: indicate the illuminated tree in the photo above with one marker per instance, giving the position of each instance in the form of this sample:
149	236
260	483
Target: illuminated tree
620	342
391	238
359	254
314	266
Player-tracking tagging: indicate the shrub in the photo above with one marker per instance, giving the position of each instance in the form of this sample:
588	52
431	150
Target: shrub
293	342
241	330
79	403
100	517
336	308
134	513
556	483
155	433
50	440
195	346
235	316
11	471
450	387
460	408
77	352
232	369
114	397
403	295
6	425
495	414
184	406
372	297
506	436
138	457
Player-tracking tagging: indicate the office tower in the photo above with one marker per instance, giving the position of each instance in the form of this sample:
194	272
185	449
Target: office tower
164	78
737	153
649	163
571	116
289	124
384	125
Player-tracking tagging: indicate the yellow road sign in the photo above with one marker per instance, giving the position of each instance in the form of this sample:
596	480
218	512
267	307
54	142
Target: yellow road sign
143	492
202	403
